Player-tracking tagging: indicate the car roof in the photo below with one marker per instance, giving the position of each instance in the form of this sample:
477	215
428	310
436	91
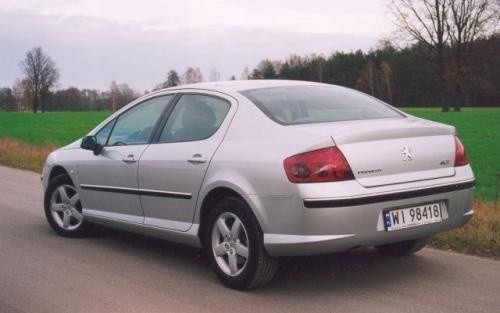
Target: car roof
240	85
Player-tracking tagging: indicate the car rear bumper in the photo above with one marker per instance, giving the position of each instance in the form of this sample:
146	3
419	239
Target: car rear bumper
319	226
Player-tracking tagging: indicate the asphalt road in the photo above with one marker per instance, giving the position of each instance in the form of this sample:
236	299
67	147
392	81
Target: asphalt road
116	272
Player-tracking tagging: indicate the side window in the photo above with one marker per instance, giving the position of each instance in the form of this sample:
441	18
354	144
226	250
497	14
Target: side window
195	117
136	125
103	134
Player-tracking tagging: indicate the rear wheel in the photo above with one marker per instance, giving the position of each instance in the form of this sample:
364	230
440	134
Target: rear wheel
63	208
403	248
234	244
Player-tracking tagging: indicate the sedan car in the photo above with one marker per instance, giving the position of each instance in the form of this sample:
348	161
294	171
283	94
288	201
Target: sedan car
256	170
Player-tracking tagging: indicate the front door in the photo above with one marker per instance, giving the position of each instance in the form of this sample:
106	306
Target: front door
171	171
108	181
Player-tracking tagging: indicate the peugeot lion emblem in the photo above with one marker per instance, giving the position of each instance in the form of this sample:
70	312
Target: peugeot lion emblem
406	153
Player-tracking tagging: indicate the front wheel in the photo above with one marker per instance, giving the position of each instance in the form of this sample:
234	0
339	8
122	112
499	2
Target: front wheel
63	208
403	248
234	244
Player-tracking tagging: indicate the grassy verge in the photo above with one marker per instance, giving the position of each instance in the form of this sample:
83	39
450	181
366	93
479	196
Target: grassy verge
21	155
481	236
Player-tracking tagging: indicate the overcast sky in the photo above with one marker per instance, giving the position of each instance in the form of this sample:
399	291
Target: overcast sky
96	41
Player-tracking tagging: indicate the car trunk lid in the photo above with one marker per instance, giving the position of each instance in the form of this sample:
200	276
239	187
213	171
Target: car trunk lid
392	151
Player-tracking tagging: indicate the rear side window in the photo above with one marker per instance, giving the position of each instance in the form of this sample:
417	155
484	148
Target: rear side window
292	105
195	117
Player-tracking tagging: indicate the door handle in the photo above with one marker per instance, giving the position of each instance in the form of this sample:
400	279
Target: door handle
129	159
197	159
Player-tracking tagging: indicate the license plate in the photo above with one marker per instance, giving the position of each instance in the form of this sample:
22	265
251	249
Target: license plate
395	219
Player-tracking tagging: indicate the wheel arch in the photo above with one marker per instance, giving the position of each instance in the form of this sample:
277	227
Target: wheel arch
56	171
211	198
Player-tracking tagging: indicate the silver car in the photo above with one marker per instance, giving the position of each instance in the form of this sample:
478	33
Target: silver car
256	170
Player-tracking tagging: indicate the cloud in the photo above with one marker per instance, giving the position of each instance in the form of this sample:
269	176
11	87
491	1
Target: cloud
359	17
91	50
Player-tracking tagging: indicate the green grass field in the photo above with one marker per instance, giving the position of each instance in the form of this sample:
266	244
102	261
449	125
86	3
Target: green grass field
51	128
479	129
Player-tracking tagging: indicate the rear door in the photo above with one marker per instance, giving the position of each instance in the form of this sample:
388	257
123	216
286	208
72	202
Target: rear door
108	181
172	169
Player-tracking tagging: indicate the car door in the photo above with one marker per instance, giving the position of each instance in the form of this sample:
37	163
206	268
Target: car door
108	181
171	171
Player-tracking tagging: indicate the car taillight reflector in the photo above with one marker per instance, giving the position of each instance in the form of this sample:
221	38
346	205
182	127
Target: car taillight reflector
460	154
323	165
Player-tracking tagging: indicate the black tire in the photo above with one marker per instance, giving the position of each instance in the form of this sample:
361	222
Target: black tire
403	248
73	230
260	267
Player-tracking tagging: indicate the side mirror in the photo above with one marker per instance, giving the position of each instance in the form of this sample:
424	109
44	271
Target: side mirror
90	143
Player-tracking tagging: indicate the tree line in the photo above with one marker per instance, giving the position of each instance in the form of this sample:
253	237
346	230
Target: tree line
402	77
452	61
36	92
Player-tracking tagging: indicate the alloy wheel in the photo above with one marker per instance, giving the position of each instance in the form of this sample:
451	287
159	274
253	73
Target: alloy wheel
65	207
230	244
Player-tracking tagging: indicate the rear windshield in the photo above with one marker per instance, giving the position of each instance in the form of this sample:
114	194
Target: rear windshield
292	105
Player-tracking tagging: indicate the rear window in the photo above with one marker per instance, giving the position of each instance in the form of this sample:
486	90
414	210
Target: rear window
292	105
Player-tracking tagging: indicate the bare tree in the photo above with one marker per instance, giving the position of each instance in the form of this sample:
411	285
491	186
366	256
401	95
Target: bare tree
367	78
23	93
437	24
468	20
18	92
266	69
214	75
41	72
121	94
386	77
172	79
256	74
425	22
7	99
245	74
193	75
115	94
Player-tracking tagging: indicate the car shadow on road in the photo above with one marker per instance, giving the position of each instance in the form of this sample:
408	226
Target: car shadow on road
314	275
362	268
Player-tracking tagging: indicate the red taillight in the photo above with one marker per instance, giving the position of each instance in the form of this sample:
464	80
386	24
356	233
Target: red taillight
324	165
460	154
